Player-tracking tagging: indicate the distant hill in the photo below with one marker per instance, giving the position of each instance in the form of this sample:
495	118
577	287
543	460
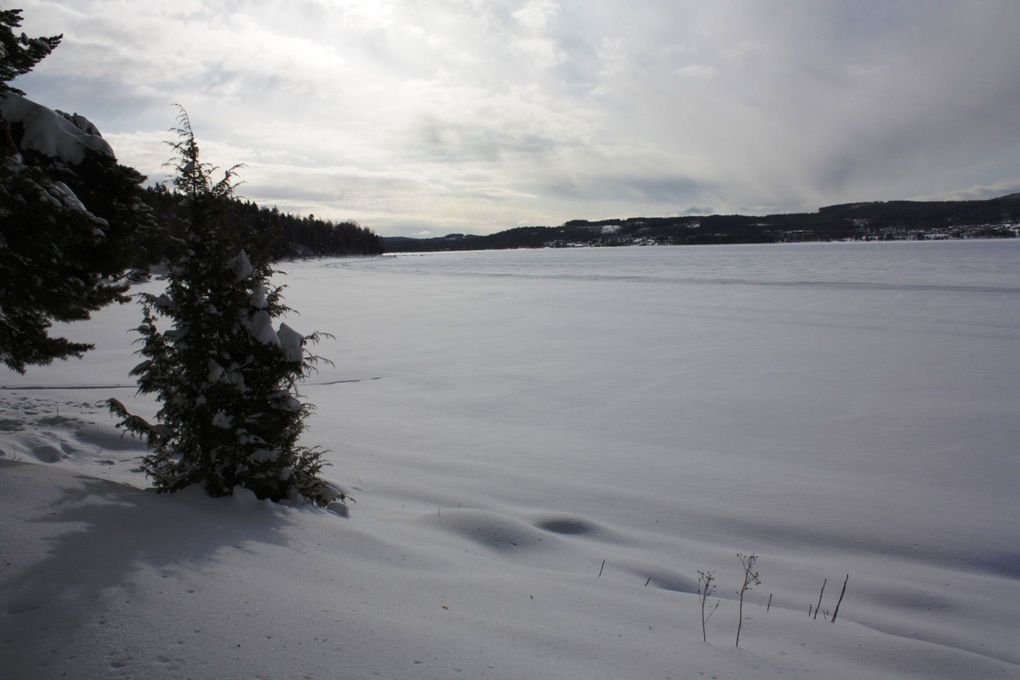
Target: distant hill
879	220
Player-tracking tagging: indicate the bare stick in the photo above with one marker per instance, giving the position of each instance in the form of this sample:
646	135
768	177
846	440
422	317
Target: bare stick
841	594
751	579
601	568
819	605
769	605
648	581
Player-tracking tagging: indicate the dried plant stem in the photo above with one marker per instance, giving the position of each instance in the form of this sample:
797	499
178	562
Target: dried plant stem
751	579
841	594
819	605
706	586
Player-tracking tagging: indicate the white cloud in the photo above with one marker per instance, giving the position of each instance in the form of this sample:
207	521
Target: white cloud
697	71
536	18
536	15
464	115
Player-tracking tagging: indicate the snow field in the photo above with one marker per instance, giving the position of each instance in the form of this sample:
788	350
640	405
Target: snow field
506	422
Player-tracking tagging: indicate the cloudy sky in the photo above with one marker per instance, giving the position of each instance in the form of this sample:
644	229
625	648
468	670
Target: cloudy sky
418	117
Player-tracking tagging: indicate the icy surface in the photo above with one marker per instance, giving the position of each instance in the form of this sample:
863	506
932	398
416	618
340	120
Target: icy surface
512	424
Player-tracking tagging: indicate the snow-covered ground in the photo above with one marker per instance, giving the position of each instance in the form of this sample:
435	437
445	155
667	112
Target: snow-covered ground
514	423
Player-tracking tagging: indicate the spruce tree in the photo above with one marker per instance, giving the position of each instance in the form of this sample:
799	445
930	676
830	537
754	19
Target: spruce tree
72	222
224	377
19	53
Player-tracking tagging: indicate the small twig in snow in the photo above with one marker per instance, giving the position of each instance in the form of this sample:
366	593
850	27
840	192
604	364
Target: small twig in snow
819	605
841	594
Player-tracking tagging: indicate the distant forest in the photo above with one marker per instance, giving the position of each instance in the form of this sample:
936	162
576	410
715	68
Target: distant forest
287	236
282	235
890	220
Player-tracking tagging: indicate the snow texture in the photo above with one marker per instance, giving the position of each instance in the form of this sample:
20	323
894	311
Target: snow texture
291	342
56	193
215	372
51	133
241	266
260	326
546	446
67	197
288	403
81	122
258	299
222	420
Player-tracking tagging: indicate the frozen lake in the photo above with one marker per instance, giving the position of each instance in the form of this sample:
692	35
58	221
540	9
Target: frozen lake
848	402
836	408
793	373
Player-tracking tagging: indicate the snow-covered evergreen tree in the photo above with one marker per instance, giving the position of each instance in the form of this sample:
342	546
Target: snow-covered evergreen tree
224	376
72	220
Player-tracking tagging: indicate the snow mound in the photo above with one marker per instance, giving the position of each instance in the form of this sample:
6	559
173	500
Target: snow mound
58	136
494	531
81	122
69	433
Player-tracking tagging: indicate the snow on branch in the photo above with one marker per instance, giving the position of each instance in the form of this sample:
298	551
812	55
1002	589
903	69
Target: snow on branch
51	133
291	342
241	266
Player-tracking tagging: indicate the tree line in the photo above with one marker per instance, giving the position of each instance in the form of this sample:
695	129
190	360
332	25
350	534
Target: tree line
886	220
285	235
